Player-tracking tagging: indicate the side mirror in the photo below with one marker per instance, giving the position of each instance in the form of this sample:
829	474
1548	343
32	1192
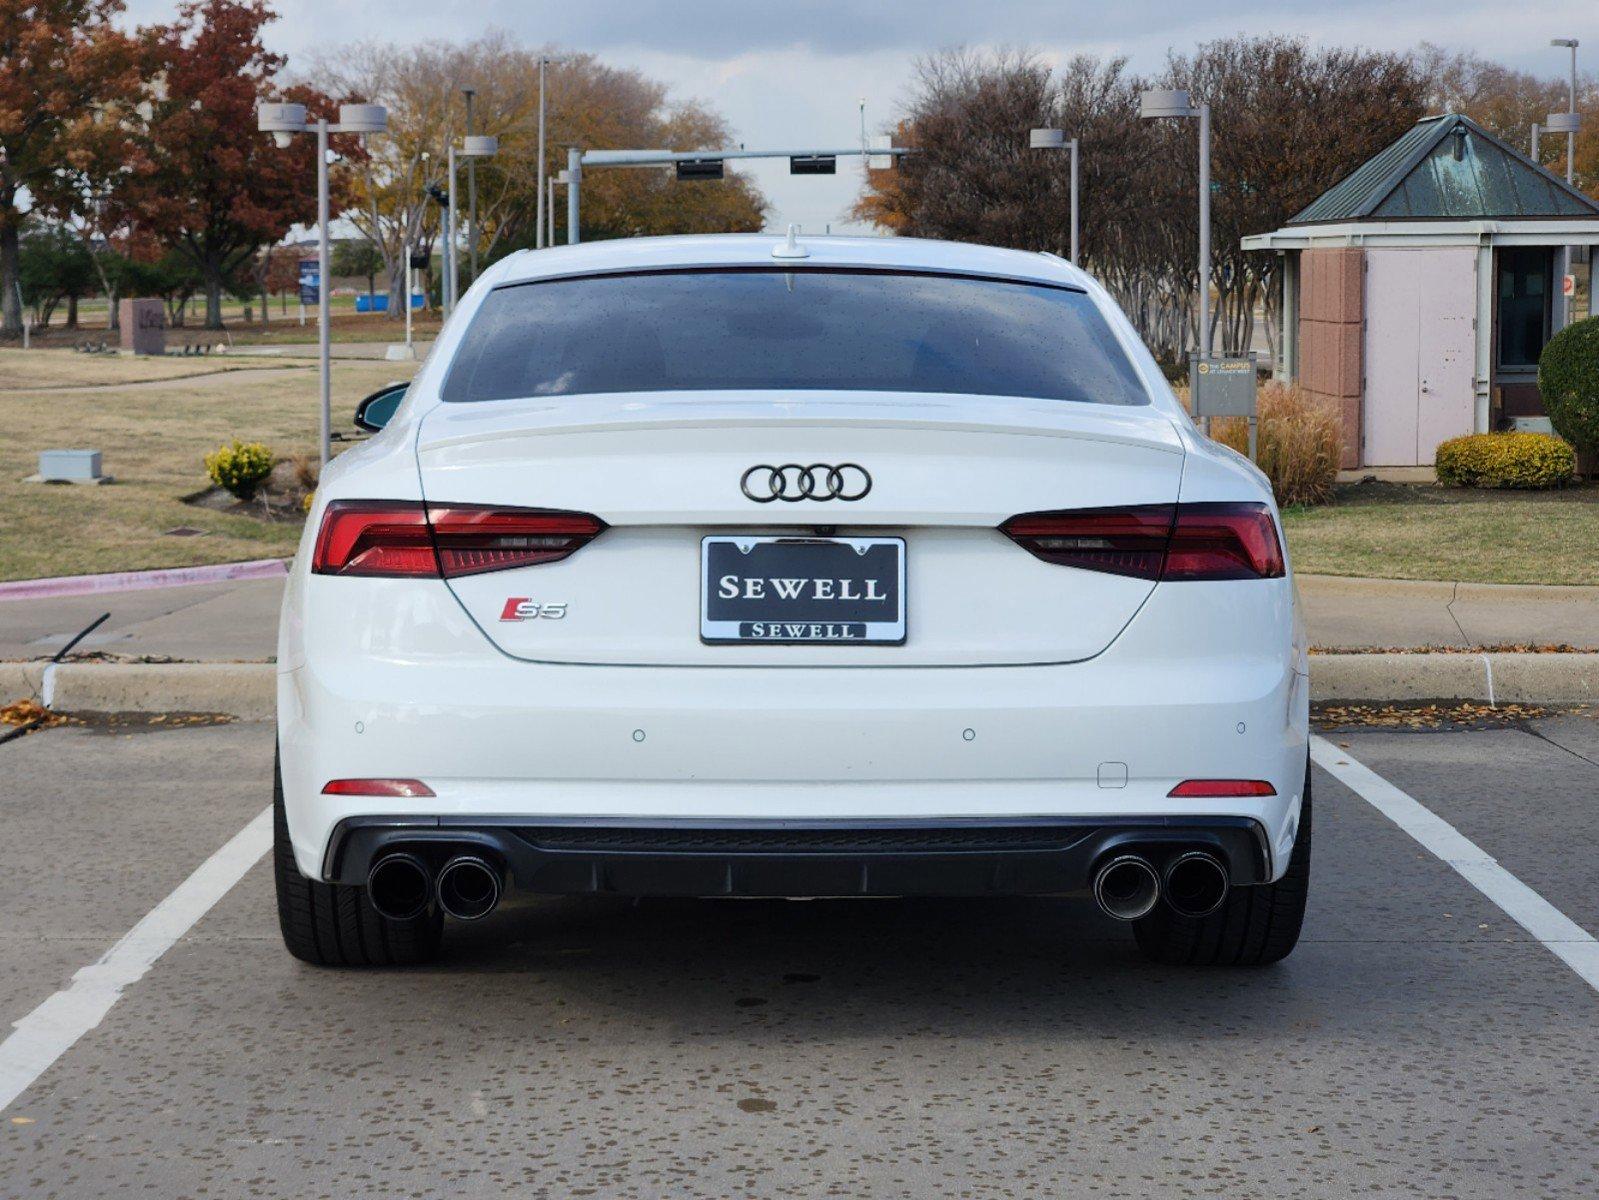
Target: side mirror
377	410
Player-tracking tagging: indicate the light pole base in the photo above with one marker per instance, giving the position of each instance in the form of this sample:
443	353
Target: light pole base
400	352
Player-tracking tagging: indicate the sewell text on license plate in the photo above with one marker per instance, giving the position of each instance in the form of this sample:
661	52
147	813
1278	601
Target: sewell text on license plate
802	589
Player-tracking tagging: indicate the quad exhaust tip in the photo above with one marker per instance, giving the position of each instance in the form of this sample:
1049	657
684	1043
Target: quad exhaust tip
399	886
1196	883
1127	887
468	888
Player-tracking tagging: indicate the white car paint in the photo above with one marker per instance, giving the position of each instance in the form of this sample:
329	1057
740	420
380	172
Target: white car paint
1024	688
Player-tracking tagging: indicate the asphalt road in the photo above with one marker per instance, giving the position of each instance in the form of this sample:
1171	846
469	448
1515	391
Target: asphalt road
1418	1043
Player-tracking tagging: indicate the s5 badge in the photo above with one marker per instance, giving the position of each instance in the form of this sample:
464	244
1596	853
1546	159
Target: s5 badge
520	608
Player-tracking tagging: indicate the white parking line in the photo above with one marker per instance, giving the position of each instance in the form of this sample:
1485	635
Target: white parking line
1558	933
50	1030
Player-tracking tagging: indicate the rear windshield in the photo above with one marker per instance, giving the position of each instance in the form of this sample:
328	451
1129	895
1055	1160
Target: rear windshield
791	329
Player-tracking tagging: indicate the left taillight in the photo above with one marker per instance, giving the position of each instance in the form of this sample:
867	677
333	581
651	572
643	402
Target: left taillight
407	538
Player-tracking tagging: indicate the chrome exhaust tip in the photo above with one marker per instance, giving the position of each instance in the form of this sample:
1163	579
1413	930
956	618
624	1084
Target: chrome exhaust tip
1127	887
468	887
399	886
1196	883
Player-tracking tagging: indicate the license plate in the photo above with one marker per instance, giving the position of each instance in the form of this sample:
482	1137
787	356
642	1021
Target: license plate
802	590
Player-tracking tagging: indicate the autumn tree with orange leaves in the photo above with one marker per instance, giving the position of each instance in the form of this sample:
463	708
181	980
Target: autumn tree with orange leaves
61	61
212	186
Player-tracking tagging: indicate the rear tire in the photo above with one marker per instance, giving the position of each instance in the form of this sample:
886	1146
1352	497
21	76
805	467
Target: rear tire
331	925
1253	927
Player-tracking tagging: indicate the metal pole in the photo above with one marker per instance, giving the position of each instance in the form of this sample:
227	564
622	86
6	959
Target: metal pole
1536	130
471	189
449	238
324	353
1569	303
574	183
539	241
407	301
549	234
1074	201
1204	228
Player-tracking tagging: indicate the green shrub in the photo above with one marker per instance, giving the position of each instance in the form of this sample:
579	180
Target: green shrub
1505	460
239	468
1568	378
1297	444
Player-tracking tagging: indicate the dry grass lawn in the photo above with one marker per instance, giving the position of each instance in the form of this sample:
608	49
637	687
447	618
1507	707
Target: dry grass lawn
154	434
153	439
23	370
1400	531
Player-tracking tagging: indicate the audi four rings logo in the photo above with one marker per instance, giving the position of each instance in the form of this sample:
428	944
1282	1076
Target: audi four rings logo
794	482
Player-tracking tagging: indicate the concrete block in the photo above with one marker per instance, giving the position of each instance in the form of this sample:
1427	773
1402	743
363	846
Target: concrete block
144	325
69	466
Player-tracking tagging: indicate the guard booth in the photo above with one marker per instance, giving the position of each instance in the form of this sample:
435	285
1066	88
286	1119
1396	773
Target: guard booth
1419	292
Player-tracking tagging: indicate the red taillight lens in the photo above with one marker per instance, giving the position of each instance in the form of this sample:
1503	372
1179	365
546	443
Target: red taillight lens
374	537
376	787
1209	789
409	538
1122	541
472	540
1224	541
1157	541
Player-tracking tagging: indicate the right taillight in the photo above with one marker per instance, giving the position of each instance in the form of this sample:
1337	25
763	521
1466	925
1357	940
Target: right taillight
1223	541
407	538
1157	541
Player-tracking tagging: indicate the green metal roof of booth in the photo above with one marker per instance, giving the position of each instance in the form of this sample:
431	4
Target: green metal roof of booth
1446	168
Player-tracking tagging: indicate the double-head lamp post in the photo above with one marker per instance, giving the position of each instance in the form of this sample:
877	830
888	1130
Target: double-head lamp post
1055	139
1155	105
478	146
1567	123
283	121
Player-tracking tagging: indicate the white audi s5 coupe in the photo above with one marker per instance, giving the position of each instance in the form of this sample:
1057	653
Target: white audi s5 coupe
744	566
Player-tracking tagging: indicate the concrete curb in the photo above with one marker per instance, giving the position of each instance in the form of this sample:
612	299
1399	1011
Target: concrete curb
133	581
248	691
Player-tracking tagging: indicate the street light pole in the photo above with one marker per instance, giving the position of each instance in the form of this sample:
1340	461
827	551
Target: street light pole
1204	229
539	240
1054	139
1154	105
471	189
574	184
1568	121
323	346
472	148
449	235
283	121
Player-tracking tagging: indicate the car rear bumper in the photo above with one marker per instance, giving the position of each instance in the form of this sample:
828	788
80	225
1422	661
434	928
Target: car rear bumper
795	858
1201	685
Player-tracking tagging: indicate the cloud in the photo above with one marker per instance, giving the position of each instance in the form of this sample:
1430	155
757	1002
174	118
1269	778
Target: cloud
793	74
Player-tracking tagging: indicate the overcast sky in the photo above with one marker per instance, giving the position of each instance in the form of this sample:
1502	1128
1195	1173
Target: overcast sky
794	74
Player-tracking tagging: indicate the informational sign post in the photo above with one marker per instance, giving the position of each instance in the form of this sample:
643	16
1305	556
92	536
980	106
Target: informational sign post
1223	386
310	281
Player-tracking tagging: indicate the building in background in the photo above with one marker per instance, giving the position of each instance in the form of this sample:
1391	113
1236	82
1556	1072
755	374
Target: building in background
1419	292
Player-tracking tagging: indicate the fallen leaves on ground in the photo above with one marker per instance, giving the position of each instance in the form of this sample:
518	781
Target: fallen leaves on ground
1507	648
1424	716
25	712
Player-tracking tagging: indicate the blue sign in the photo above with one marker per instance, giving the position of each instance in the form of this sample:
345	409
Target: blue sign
310	280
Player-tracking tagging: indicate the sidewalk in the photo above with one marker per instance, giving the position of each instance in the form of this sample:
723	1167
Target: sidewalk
238	621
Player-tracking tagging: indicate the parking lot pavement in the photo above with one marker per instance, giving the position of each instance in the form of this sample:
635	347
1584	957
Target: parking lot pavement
231	621
1418	1043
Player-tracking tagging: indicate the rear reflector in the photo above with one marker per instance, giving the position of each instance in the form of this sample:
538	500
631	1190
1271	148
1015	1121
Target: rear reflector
1206	789
1157	541
407	538
376	787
